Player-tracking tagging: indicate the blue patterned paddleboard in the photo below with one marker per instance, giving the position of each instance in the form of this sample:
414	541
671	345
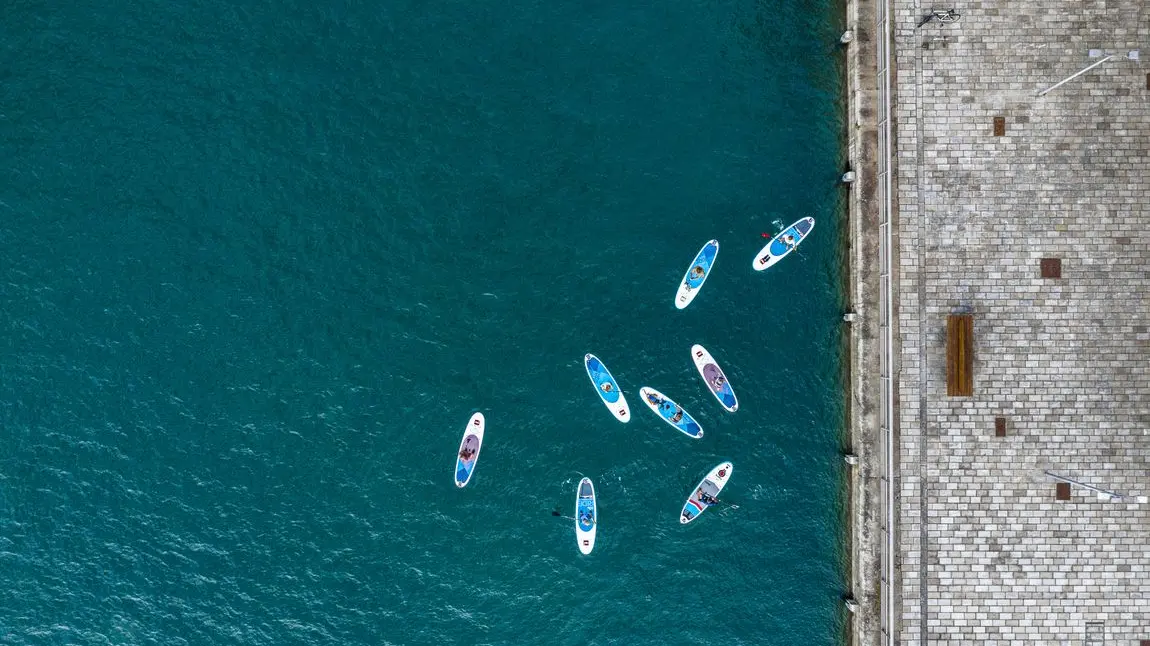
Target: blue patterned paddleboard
586	516
607	388
696	274
783	244
670	412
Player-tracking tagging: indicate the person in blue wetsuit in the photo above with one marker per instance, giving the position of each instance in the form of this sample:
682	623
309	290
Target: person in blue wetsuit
666	408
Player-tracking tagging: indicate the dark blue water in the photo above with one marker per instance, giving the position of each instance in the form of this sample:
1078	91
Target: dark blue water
260	263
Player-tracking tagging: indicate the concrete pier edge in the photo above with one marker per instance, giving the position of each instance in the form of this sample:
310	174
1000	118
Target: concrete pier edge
863	212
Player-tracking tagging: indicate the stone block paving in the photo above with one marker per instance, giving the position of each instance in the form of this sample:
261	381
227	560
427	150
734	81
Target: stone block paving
987	555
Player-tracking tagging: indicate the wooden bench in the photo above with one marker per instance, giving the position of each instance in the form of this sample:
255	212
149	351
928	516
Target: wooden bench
960	355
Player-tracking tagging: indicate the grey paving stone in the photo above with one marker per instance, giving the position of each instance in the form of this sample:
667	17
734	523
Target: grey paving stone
1067	360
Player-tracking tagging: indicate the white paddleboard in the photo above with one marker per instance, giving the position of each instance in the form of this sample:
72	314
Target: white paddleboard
586	515
607	387
704	493
783	244
714	377
696	274
469	447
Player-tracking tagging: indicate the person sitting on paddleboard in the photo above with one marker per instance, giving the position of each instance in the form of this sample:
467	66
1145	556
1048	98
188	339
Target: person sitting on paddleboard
606	387
790	242
678	416
697	272
706	499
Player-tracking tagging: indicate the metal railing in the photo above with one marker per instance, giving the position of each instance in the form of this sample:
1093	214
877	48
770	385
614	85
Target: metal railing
887	587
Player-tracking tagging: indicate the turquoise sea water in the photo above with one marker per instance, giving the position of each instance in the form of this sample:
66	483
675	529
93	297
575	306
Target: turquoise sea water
262	261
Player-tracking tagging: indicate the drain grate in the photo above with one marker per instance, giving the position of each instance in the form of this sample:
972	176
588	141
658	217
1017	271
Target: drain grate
1095	634
1062	491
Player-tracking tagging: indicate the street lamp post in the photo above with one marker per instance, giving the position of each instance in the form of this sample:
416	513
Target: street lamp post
1102	493
1075	75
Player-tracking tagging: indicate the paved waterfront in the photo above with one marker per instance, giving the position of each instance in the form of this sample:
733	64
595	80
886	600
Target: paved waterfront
986	553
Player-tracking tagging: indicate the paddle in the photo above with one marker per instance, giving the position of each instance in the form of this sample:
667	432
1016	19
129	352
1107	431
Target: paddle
555	512
646	582
718	502
730	505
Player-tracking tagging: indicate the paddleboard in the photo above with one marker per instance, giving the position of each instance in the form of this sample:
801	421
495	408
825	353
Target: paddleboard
783	244
469	450
696	274
714	378
607	388
670	412
586	516
706	492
